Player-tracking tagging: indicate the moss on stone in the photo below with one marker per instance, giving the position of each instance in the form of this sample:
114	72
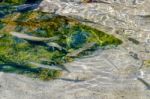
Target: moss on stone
147	63
15	1
72	36
47	74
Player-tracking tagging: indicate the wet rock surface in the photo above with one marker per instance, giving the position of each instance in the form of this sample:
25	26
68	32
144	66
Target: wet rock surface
106	74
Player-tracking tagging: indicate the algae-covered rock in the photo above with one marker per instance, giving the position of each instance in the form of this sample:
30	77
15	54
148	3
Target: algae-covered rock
6	9
11	6
15	1
19	1
22	42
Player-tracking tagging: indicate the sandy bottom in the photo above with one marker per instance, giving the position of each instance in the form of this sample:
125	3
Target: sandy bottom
109	74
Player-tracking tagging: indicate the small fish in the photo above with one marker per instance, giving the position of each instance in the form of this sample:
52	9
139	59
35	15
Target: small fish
97	1
80	50
134	55
72	80
26	7
134	40
32	38
52	44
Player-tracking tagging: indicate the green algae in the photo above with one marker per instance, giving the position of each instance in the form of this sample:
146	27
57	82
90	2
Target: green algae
15	1
12	6
6	8
18	53
147	63
18	2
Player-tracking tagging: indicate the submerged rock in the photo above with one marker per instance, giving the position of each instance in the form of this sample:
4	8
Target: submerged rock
11	6
19	1
6	9
25	41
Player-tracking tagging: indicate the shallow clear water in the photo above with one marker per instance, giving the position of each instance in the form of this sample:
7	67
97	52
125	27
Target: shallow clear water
106	74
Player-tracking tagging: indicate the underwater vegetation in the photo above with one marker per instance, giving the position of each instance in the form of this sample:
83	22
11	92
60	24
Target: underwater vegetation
147	63
14	1
19	1
6	9
37	44
11	6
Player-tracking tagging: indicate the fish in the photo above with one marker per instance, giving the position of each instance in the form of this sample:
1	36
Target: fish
72	80
134	40
26	7
97	1
55	45
134	55
80	50
33	38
